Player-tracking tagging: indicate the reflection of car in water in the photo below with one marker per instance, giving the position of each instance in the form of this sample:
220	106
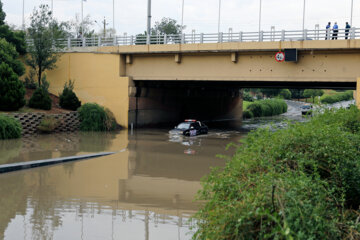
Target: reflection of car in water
306	109
190	128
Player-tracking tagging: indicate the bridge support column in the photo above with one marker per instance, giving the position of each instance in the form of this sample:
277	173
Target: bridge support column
357	93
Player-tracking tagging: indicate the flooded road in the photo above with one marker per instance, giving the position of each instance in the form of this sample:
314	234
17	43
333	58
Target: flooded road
145	192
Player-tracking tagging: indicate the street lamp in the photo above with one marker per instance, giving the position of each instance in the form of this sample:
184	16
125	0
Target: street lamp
23	15
149	18
260	17
304	17
219	16
114	15
352	8
182	16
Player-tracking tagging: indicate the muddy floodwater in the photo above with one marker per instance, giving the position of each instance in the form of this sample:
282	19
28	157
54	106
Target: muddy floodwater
144	191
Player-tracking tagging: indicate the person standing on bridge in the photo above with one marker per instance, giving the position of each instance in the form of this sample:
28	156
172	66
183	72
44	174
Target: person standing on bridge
335	31
328	27
347	28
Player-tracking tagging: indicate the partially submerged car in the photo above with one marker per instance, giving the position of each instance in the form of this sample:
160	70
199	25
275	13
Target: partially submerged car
190	128
306	109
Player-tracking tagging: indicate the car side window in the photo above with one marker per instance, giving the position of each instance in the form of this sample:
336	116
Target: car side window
197	125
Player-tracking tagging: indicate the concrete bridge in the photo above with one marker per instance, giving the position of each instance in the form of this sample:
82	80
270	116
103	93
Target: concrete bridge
150	84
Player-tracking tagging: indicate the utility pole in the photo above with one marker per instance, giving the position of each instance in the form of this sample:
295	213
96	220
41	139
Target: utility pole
104	22
149	18
219	16
82	18
260	18
114	15
182	16
23	16
304	18
352	8
52	7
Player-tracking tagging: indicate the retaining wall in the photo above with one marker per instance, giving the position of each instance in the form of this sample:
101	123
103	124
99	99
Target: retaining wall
69	122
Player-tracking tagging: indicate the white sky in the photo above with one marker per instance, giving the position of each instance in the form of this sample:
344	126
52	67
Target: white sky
200	15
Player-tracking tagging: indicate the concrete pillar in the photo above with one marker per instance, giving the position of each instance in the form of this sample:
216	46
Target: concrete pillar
357	93
122	67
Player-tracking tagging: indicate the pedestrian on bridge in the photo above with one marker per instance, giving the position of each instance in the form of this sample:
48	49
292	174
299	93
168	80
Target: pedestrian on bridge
328	28
347	28
335	31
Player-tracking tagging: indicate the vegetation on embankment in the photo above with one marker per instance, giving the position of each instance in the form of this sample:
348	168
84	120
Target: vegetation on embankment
10	128
96	118
337	97
264	108
302	182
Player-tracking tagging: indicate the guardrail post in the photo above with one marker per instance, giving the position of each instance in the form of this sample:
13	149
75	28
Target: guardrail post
328	34
84	42
201	38
183	38
220	40
261	36
148	39
240	36
69	42
99	41
165	38
131	40
282	35
352	34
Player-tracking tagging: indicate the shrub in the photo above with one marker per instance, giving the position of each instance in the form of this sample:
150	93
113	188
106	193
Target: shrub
247	114
68	99
247	97
268	107
302	182
94	117
29	82
9	128
285	93
12	91
48	124
9	56
40	99
338	97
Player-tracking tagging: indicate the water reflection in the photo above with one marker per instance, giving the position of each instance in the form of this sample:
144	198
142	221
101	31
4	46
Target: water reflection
145	192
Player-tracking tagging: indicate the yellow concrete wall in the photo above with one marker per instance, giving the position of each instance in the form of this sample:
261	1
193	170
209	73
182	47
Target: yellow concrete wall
357	93
97	79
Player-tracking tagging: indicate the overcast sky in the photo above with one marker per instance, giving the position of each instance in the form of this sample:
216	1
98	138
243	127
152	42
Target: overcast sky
200	15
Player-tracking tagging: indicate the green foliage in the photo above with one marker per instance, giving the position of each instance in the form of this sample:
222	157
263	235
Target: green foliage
302	182
338	97
44	50
9	56
313	93
96	118
285	93
12	90
297	93
247	114
167	26
68	99
247	97
270	92
269	107
48	124
10	128
40	99
15	37
29	82
2	14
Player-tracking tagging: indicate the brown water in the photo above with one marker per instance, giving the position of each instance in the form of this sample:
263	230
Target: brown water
145	191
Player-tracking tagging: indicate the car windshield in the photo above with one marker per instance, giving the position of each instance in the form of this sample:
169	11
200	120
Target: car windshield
183	126
306	107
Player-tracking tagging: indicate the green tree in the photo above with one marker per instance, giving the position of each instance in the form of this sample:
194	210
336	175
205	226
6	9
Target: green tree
167	26
2	14
9	55
12	90
44	50
270	92
313	93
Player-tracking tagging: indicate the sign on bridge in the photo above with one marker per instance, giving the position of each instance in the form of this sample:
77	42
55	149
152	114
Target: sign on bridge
280	56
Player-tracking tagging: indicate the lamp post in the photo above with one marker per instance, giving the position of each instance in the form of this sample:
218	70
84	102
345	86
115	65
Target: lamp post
304	16
352	8
114	15
260	17
82	18
52	7
149	18
182	16
23	15
219	16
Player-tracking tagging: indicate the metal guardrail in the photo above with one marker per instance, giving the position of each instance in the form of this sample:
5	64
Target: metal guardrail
263	36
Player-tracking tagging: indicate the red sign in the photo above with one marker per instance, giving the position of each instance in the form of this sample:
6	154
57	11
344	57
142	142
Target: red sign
280	56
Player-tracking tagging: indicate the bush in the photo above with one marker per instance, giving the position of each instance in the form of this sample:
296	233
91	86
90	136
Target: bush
302	182
9	128
247	97
285	93
338	97
268	107
10	56
247	114
94	117
12	91
40	99
68	99
29	80
48	124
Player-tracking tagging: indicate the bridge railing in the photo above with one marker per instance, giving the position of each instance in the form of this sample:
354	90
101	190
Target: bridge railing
262	36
